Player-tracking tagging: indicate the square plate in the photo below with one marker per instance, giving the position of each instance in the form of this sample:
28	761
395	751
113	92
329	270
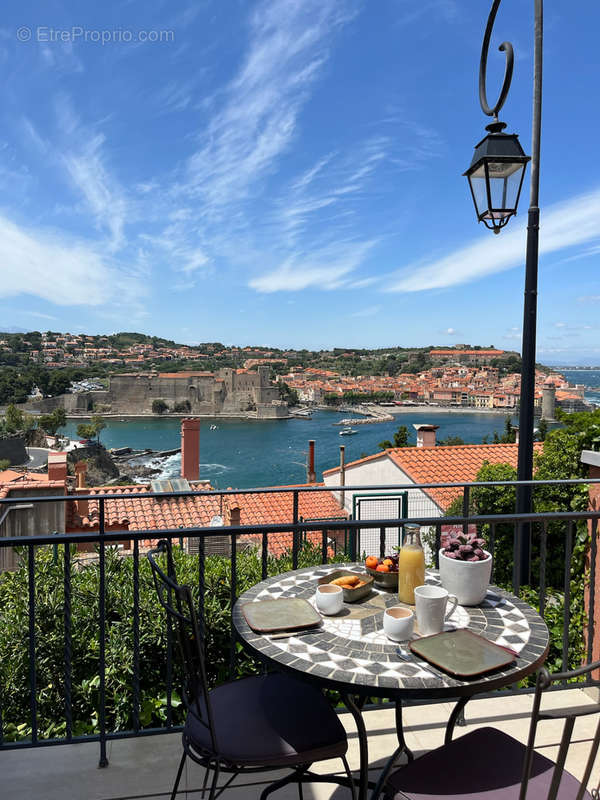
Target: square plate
281	614
461	653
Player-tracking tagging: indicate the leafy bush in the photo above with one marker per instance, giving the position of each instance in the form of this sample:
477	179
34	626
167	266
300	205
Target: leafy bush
85	645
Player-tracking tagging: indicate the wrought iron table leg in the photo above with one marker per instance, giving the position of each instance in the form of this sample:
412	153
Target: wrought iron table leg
400	733
355	709
457	711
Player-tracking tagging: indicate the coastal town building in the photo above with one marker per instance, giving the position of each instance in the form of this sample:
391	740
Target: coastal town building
405	466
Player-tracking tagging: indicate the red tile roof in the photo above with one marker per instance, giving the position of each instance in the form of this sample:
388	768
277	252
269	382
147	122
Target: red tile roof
445	464
156	513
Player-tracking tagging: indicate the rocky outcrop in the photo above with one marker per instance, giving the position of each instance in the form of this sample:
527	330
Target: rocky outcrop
101	469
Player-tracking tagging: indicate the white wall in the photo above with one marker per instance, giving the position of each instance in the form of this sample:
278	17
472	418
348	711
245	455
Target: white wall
384	472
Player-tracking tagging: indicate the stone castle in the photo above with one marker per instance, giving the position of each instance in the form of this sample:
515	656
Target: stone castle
229	392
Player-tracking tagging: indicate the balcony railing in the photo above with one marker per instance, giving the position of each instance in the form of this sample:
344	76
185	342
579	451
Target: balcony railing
567	533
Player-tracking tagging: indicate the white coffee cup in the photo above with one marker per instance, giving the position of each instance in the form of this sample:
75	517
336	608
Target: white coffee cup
398	623
430	606
329	598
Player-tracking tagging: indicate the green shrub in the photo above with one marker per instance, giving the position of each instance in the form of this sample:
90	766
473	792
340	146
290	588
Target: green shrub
85	648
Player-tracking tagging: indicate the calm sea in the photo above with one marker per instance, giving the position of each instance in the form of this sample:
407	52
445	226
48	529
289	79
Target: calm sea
246	454
590	378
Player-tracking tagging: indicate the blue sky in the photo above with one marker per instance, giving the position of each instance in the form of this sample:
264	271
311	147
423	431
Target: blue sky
289	173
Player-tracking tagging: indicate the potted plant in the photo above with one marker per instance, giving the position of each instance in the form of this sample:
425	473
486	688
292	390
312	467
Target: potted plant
465	568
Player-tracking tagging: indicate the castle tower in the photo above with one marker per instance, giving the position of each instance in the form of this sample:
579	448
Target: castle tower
548	402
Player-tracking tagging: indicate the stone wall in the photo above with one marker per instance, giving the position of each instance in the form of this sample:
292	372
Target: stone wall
12	448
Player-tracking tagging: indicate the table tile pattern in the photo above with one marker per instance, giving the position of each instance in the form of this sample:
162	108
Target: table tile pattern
351	647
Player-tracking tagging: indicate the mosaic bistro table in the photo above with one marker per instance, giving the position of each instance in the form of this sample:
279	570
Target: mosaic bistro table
349	652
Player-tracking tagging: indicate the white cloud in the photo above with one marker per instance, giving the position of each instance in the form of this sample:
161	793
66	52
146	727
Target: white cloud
450	332
257	121
370	311
589	298
64	272
103	195
327	269
562	225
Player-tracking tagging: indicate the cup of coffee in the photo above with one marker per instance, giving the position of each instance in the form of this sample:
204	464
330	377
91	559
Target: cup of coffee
430	606
398	623
329	598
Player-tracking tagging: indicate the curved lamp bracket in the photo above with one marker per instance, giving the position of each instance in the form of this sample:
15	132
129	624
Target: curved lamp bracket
507	48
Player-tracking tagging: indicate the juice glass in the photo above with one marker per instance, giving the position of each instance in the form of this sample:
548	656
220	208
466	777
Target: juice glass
411	565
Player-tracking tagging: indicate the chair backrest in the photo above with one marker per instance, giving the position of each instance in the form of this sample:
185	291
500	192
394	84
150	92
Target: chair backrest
544	680
177	600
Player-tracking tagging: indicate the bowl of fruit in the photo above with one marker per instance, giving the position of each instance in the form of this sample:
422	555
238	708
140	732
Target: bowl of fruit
384	570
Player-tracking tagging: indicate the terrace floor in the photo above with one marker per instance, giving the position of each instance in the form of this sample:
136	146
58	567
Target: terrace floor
144	768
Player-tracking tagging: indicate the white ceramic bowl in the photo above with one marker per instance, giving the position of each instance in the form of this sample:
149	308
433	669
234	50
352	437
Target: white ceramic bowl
466	580
329	598
398	623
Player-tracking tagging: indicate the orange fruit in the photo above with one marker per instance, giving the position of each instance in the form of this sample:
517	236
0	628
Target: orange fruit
388	562
383	568
371	562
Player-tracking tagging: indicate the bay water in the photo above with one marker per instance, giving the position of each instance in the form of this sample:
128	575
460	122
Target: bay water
247	453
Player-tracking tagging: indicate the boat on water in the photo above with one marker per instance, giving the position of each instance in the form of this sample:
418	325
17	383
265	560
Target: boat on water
214	428
348	431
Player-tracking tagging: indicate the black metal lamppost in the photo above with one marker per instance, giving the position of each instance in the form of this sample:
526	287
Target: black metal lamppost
495	177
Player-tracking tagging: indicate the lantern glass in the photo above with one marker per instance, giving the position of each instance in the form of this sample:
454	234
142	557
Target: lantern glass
496	176
505	183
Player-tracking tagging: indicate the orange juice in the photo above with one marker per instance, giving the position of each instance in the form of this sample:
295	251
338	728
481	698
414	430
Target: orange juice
411	571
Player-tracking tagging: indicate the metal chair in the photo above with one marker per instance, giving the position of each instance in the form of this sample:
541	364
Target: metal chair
488	764
255	724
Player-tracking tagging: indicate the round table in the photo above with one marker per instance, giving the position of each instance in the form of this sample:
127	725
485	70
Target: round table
350	652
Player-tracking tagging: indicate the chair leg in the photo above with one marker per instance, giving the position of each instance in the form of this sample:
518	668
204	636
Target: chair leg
178	778
213	787
300	791
273	787
350	777
205	781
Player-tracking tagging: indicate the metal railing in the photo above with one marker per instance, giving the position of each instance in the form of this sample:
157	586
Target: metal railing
564	527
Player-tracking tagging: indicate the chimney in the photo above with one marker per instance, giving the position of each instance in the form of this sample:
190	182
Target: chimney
190	449
426	435
516	430
311	476
80	470
234	516
342	474
57	466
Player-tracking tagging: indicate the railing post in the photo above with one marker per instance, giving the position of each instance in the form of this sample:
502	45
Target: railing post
67	642
232	658
32	664
103	762
295	542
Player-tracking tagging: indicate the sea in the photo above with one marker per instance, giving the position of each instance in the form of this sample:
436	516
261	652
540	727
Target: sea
589	377
245	454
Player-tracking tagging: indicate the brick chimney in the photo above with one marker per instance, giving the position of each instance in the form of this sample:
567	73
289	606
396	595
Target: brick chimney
311	476
80	471
234	514
426	435
190	449
57	466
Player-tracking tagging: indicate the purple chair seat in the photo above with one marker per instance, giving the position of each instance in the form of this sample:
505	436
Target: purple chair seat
269	719
483	765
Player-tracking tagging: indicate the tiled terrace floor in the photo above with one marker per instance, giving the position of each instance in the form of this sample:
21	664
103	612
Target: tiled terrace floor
144	768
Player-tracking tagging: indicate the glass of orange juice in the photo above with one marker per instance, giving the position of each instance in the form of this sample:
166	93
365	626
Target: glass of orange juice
411	564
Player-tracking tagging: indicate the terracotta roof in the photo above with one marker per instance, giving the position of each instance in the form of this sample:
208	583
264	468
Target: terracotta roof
155	513
29	482
445	464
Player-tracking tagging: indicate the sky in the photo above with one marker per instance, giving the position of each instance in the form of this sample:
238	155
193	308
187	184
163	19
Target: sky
289	173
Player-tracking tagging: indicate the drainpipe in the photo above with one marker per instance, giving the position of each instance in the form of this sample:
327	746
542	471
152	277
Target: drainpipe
342	474
311	476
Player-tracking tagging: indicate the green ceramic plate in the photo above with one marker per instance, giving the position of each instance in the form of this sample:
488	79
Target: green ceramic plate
281	614
461	653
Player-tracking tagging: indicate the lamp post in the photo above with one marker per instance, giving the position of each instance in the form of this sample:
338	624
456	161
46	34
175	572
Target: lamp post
495	178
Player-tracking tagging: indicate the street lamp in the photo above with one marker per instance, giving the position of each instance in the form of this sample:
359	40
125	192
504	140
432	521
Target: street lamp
495	178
